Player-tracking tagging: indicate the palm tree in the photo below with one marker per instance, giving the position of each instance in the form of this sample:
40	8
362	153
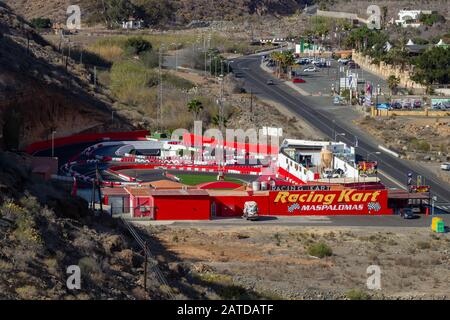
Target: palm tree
276	56
283	59
217	121
195	107
393	83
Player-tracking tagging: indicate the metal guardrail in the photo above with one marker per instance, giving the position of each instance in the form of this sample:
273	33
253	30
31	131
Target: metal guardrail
148	255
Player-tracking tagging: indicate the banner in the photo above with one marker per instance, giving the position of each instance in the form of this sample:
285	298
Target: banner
333	202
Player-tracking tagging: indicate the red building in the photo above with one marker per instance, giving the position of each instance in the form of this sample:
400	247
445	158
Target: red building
169	204
192	204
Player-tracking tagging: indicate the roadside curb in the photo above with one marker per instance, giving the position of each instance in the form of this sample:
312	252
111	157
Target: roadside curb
290	84
395	154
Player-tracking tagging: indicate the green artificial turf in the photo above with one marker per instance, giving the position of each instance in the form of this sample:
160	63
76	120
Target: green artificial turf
194	179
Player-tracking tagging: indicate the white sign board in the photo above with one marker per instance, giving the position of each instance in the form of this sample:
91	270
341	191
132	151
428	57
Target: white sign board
269	131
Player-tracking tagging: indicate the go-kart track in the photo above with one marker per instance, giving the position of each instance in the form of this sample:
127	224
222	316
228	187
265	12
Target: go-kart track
118	162
152	178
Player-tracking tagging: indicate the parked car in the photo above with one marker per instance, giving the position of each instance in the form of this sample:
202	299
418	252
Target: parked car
384	106
417	104
406	105
445	166
302	61
310	69
441	106
298	80
337	100
396	105
407	213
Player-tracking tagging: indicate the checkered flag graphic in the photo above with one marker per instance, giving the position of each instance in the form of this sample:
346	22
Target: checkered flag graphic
375	206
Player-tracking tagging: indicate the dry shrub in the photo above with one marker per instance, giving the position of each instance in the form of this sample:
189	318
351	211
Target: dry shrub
27	292
110	53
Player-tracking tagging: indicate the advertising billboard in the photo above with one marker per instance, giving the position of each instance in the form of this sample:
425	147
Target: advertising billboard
442	104
332	202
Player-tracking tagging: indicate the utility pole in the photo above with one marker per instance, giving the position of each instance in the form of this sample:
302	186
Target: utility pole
205	60
98	183
221	111
160	94
95	76
53	143
145	265
251	105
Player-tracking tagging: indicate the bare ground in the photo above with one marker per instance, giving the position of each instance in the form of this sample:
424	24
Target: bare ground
416	138
273	261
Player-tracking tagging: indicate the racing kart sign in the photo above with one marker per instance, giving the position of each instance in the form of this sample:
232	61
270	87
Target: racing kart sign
332	202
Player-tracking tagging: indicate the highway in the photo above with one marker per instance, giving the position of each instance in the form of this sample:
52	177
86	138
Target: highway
392	169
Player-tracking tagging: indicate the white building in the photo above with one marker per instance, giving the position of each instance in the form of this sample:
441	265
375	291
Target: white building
316	160
133	23
410	18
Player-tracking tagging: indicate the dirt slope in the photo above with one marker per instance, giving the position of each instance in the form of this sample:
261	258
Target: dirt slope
40	90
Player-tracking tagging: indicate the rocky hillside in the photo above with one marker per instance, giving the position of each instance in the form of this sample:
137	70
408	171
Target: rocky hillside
43	231
181	11
41	90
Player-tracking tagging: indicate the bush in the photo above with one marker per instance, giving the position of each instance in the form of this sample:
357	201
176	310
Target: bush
41	23
129	78
150	59
320	250
137	45
357	294
177	82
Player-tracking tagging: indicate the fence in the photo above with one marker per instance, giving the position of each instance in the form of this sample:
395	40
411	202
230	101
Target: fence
148	256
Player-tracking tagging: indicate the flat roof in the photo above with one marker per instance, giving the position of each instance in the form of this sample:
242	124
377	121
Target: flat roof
309	143
115	191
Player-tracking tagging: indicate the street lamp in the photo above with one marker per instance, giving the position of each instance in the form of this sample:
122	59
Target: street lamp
53	143
176	54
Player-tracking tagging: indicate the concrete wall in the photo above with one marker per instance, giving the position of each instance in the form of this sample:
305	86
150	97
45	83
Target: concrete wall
350	171
385	70
295	168
337	15
422	113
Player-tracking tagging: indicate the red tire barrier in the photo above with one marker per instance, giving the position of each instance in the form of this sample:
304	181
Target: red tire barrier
89	137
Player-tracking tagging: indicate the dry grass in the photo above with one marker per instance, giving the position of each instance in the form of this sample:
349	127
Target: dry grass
110	53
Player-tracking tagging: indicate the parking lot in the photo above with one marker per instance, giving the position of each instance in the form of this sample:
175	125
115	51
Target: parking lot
321	82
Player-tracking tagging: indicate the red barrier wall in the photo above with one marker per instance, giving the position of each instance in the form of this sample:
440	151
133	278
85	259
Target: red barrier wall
233	206
282	203
186	208
219	185
88	137
241	169
173	208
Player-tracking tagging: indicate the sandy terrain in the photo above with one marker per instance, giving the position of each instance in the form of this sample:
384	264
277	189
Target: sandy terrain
274	261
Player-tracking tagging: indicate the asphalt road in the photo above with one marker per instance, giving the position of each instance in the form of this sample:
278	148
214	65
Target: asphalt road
392	168
394	221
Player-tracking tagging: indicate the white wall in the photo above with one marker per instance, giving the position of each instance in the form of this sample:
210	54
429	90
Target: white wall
350	171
